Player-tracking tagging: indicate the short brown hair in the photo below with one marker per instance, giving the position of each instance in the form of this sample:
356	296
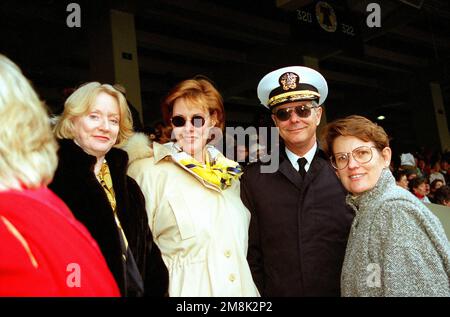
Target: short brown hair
196	92
357	126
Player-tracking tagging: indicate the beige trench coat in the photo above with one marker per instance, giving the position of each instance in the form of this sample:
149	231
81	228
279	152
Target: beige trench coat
202	233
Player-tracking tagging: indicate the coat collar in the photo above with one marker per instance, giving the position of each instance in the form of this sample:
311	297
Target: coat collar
138	147
73	156
383	184
174	153
286	168
161	151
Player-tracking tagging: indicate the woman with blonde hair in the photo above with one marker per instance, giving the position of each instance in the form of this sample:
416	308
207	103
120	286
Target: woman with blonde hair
44	250
91	178
192	195
396	247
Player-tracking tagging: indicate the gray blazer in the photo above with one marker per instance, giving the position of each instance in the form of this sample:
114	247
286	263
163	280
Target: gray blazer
397	247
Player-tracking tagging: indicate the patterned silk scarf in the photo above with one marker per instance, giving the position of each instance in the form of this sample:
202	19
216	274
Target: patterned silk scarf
105	179
217	171
134	286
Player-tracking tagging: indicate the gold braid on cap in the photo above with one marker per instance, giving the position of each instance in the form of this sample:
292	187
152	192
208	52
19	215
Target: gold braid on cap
293	96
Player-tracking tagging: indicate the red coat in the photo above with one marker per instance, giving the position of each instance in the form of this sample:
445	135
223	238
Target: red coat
45	251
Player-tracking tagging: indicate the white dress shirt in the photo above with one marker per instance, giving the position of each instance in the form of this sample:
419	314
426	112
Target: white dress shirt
308	156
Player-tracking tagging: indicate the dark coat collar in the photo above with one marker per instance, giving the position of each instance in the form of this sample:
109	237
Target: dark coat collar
71	154
78	166
76	183
79	188
286	168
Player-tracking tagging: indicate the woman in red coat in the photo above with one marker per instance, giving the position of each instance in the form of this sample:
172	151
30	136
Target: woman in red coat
44	250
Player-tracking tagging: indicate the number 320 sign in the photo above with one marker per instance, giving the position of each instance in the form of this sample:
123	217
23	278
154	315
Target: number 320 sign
326	17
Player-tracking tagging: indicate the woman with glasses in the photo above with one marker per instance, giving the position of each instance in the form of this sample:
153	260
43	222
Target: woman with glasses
192	197
397	247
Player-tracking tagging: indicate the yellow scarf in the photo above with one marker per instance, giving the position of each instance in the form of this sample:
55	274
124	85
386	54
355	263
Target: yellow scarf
220	172
105	179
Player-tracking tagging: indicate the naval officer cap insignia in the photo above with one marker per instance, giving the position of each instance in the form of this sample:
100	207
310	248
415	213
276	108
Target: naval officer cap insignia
294	83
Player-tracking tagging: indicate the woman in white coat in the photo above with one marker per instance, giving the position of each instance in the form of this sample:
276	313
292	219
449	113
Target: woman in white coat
192	197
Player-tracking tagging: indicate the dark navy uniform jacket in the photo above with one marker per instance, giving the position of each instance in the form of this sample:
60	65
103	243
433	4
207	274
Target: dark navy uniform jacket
299	228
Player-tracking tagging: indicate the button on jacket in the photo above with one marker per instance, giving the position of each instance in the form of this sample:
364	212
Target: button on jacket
202	233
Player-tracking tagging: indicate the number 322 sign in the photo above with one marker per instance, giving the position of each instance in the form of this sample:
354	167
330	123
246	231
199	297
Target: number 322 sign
326	17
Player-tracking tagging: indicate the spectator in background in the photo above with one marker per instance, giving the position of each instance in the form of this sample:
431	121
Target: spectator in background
401	179
162	133
435	185
411	173
409	164
91	178
445	167
422	167
442	196
436	171
418	186
43	247
159	130
407	161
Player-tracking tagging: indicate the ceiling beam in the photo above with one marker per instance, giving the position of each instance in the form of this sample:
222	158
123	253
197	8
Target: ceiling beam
395	57
413	35
349	79
233	18
162	67
374	65
292	4
212	29
188	48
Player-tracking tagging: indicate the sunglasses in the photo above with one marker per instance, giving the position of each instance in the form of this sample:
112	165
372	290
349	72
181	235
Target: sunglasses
179	121
303	111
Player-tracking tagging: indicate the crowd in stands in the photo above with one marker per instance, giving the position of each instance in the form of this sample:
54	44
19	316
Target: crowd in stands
426	175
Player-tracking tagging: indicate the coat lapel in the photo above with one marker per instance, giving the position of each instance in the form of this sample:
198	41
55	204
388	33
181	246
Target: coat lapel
314	170
293	176
289	171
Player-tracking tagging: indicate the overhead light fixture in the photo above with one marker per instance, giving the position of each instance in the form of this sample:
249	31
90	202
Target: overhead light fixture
413	3
381	118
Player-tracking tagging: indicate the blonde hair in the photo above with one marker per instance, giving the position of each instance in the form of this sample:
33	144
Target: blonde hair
79	103
27	146
197	92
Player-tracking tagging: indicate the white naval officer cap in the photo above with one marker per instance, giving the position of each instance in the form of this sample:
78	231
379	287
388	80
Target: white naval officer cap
293	83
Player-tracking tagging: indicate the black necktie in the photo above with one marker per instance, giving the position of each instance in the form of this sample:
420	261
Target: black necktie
301	164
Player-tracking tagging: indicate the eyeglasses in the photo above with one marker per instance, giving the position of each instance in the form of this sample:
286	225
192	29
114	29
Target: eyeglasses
179	121
303	111
362	155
